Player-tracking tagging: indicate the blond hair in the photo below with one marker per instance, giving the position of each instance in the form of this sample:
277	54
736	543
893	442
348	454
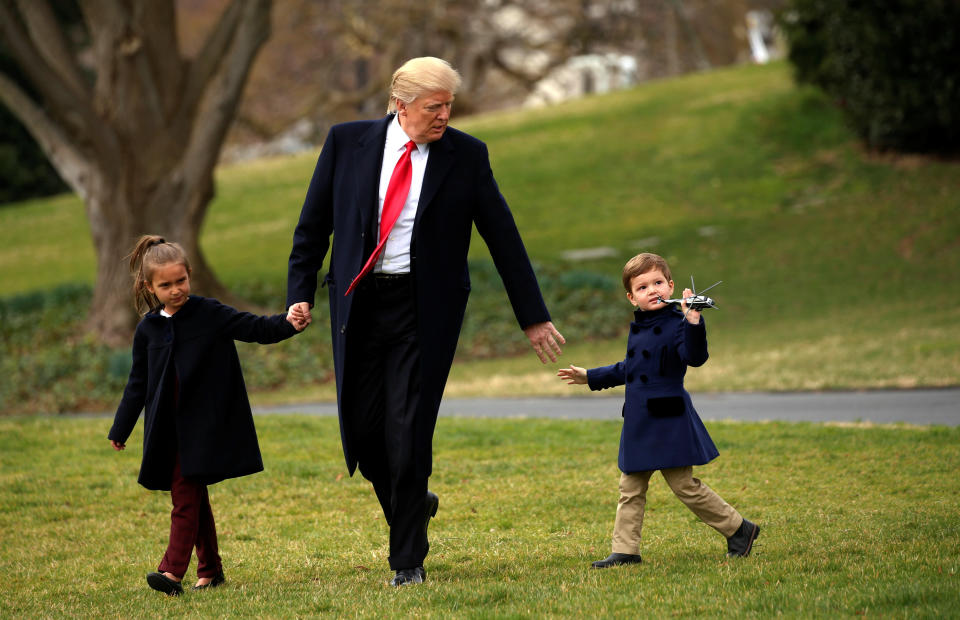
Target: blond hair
421	76
150	252
641	264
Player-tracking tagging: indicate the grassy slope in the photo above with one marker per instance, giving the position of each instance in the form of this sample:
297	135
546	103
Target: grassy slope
837	265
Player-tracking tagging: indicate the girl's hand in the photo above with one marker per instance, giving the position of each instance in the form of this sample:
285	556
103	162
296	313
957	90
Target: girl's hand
117	445
693	316
298	315
298	324
573	375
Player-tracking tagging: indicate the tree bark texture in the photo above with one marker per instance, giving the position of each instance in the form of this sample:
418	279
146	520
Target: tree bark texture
133	126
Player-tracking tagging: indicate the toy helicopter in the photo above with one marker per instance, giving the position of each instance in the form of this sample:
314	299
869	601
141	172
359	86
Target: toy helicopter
697	302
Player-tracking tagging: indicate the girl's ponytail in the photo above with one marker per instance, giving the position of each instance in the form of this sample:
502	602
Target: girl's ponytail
150	251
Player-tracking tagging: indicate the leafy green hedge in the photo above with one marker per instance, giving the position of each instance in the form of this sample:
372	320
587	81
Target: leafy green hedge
890	64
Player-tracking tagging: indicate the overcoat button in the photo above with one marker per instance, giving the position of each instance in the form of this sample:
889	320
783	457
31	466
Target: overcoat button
657	330
629	352
643	378
635	329
630	378
646	354
343	329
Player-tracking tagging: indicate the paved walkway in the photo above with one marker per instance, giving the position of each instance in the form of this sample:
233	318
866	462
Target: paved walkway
927	406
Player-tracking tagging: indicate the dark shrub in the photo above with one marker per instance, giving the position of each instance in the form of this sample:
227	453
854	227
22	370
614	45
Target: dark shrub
891	64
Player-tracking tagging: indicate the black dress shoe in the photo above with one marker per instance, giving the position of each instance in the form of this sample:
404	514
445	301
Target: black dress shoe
616	559
162	583
409	576
740	544
213	583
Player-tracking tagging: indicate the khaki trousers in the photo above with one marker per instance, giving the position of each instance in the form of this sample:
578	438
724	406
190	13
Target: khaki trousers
698	497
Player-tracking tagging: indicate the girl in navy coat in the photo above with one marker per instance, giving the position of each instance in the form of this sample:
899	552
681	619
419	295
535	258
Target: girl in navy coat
661	429
186	377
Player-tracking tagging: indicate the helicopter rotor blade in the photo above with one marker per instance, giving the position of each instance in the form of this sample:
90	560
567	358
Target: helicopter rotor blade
710	287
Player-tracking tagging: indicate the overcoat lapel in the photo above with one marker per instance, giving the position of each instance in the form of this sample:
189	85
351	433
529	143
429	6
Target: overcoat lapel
438	165
367	161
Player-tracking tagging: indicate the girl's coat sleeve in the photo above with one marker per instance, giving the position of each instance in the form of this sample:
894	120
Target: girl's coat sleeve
606	376
134	395
248	327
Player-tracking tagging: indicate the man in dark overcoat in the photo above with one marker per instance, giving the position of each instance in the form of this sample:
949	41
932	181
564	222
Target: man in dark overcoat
395	329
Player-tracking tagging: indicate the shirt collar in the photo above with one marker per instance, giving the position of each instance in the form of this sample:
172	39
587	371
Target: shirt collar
397	138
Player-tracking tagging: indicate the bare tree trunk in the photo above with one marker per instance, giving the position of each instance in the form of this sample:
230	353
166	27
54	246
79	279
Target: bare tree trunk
140	143
111	313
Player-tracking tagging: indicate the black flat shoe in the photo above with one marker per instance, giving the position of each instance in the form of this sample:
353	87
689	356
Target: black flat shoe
740	544
409	576
162	583
617	559
216	581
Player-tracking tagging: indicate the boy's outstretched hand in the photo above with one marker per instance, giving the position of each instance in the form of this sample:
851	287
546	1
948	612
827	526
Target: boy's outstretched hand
573	375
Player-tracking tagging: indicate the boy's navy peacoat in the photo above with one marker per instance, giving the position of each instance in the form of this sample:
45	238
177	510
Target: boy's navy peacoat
192	354
661	429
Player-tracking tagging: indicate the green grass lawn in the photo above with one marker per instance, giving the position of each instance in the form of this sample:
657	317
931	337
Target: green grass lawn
857	520
838	266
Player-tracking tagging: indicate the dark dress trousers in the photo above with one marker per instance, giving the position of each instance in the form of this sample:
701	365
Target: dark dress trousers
661	429
193	353
458	192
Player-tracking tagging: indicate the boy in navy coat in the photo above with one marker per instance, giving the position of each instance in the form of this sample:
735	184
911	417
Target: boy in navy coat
661	429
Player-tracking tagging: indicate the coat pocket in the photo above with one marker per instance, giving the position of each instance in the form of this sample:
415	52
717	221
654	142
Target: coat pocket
666	406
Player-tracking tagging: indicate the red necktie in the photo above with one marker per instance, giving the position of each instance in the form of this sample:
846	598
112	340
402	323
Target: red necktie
397	190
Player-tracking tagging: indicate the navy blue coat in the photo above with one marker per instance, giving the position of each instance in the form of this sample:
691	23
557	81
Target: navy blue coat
458	192
212	428
661	429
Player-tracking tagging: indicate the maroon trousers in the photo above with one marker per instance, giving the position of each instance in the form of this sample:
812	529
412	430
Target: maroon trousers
191	525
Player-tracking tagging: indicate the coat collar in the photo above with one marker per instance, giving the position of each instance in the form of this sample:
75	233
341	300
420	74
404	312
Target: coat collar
369	157
188	308
650	317
438	165
367	160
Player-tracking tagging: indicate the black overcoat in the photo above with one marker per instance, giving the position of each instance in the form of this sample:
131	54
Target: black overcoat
458	192
661	429
192	353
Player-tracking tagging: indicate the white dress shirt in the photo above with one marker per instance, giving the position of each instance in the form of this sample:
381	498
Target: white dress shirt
396	253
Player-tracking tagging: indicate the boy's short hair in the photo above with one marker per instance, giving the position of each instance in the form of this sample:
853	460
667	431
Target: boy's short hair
641	264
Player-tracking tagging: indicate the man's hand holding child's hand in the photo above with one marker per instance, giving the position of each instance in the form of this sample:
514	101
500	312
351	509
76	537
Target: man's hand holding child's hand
298	315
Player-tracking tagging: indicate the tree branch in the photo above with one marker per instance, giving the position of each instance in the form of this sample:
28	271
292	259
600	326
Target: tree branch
203	68
76	168
74	114
43	26
212	123
29	59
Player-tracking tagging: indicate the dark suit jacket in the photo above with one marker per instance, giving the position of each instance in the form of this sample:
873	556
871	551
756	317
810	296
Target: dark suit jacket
661	429
458	192
212	428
